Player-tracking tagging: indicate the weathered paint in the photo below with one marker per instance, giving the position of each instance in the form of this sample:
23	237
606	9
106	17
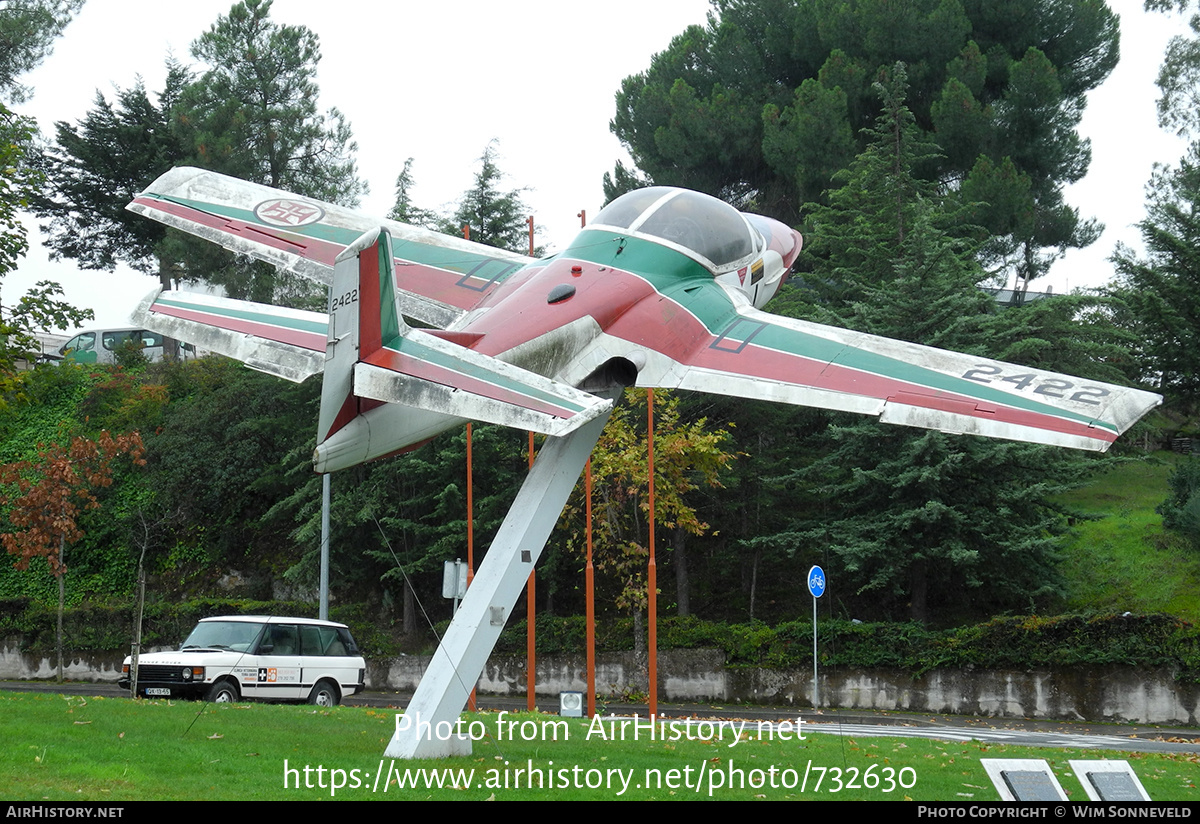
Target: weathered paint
658	310
645	300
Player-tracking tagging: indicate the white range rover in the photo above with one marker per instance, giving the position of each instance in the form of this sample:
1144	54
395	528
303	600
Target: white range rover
255	656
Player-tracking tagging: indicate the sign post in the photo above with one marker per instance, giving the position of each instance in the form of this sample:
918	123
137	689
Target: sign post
816	587
454	582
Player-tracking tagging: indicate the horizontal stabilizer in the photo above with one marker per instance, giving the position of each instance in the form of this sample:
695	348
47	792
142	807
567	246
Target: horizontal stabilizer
423	371
287	343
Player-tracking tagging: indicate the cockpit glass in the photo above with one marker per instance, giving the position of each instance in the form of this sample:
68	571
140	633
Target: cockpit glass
626	209
712	229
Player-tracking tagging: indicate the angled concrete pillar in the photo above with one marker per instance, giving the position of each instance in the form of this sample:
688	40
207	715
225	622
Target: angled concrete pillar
426	729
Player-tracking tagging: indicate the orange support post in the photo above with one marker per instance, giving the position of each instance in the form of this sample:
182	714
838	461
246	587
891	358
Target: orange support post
652	602
470	533
531	600
590	587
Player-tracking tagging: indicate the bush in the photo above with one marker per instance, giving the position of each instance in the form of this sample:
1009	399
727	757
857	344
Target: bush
1181	509
1147	641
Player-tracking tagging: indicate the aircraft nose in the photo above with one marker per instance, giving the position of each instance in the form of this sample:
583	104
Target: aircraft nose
790	242
781	238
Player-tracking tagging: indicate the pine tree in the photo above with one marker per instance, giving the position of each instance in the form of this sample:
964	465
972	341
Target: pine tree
97	166
28	29
253	115
1162	291
403	209
765	102
922	519
497	218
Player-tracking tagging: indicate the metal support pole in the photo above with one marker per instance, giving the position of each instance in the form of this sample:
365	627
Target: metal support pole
323	609
590	585
531	595
816	683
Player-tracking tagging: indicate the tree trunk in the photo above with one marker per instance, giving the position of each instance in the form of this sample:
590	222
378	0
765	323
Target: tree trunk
170	345
681	572
919	583
753	582
62	598
137	625
410	611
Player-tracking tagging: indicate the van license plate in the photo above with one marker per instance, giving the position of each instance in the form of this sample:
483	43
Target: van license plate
158	691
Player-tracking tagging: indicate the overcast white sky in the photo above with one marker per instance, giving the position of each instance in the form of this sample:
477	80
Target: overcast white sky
539	76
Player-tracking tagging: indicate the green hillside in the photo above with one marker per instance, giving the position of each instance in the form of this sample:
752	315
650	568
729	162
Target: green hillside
1123	560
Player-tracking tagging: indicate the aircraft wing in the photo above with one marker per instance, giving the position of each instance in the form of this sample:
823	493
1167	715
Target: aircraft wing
439	277
721	344
287	343
415	369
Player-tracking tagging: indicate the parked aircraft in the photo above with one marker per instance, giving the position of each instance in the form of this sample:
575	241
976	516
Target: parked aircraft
664	288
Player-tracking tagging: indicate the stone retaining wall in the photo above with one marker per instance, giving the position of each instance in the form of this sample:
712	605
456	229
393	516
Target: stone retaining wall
1122	694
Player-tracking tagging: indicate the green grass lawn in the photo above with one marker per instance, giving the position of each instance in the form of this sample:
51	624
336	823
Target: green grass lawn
1124	561
110	750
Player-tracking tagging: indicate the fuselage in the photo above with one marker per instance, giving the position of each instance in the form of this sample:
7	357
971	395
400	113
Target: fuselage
636	263
592	315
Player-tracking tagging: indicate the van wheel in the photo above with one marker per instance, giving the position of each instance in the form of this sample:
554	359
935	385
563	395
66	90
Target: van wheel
223	692
324	694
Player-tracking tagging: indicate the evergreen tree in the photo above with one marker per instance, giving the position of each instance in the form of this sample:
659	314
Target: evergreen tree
97	166
404	210
762	105
28	29
1179	76
922	519
1162	291
395	522
253	115
1181	509
497	218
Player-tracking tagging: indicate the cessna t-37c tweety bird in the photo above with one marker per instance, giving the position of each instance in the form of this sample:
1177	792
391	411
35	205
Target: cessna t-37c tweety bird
663	289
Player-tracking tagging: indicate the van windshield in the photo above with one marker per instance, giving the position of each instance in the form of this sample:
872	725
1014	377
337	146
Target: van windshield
238	636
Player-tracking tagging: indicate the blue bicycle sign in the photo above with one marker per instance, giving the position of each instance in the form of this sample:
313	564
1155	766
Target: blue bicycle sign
816	581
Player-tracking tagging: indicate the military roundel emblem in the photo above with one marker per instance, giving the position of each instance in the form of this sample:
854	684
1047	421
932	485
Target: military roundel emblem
289	213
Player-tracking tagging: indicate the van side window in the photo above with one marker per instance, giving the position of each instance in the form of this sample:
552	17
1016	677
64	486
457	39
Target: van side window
281	640
321	641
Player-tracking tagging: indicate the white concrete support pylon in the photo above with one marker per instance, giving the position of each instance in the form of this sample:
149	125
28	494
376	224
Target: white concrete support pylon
425	729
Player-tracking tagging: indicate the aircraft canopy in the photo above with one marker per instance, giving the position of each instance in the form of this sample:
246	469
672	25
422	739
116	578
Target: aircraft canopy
710	230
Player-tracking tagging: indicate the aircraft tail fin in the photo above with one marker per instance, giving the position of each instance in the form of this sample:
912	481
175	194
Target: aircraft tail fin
362	315
373	359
